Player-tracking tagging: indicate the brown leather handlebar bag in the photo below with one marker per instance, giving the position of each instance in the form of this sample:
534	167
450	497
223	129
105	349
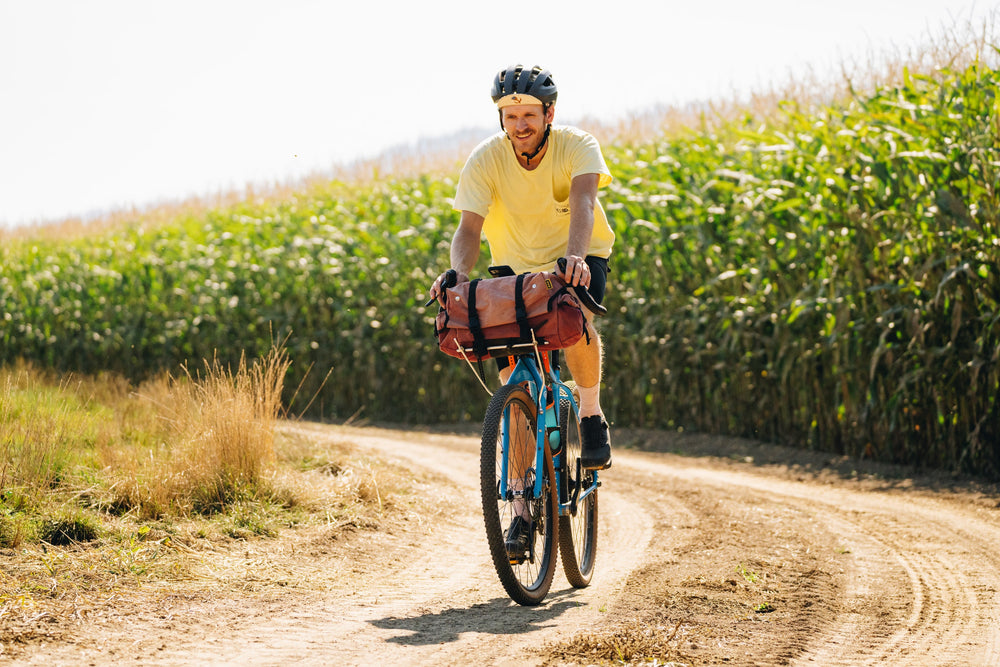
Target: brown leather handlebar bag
493	317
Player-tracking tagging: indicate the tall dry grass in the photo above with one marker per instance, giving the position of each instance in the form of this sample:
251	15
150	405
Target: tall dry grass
219	425
228	428
179	446
177	463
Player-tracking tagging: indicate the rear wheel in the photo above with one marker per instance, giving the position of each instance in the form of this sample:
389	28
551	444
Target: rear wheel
526	579
578	529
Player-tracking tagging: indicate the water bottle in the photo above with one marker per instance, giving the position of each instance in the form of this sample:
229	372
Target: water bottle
551	427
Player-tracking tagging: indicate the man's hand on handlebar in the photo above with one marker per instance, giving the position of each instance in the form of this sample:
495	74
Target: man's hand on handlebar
584	296
575	272
449	278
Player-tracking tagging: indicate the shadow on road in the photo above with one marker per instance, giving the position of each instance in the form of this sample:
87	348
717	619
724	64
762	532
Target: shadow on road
499	616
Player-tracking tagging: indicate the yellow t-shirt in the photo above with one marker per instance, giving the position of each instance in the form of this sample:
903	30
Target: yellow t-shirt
527	212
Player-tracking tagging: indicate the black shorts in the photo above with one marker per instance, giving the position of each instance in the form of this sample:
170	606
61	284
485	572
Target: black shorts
599	270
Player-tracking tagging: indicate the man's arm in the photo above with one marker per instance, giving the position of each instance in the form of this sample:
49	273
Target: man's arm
465	246
466	243
582	200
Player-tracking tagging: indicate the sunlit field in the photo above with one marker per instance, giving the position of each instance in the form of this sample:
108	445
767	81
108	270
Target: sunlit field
816	266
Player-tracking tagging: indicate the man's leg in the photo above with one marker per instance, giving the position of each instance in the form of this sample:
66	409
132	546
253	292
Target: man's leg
521	454
584	360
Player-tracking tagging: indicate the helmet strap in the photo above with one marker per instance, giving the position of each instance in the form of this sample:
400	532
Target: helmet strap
541	145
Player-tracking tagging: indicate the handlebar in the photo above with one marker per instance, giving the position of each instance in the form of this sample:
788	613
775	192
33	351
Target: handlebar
450	280
582	294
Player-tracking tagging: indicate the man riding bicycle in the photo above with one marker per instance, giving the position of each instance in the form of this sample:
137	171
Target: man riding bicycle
532	189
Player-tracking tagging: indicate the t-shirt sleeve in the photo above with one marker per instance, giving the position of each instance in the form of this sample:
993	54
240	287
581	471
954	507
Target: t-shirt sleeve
586	158
474	192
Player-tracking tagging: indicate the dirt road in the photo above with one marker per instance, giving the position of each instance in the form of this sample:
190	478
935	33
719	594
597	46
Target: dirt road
734	553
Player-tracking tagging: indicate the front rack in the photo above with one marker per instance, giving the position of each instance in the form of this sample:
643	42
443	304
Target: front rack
495	351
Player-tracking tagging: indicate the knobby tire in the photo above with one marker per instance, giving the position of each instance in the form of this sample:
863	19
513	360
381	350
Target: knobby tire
577	530
528	582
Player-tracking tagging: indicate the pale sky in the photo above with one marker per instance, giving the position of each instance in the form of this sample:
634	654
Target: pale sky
106	104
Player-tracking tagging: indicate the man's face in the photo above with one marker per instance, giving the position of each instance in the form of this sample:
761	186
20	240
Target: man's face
525	125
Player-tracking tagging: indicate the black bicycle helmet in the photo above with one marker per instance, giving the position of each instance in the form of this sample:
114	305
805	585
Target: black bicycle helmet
518	85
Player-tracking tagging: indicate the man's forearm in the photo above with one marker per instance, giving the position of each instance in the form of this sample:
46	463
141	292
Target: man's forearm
582	200
464	252
581	229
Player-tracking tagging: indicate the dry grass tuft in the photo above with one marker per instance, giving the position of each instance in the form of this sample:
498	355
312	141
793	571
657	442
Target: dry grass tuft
634	642
205	441
227	424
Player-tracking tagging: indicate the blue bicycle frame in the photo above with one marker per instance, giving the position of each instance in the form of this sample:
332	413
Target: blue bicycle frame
526	371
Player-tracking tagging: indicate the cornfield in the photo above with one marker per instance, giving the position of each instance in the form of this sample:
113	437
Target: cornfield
829	278
824	276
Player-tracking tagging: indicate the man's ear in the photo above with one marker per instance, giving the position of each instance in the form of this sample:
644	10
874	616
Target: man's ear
550	113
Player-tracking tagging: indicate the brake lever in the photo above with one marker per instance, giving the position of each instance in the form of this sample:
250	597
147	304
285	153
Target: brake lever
581	292
450	280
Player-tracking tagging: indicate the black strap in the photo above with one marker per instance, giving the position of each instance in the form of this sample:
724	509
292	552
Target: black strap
520	310
545	137
478	341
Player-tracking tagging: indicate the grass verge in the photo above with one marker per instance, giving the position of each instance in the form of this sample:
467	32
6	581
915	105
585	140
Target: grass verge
110	491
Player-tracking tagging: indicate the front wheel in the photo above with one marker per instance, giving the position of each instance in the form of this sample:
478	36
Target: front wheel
578	528
507	489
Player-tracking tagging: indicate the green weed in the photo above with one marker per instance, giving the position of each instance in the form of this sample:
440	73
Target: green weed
749	576
70	528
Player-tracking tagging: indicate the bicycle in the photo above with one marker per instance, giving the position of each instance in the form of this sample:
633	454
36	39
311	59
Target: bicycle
530	457
562	500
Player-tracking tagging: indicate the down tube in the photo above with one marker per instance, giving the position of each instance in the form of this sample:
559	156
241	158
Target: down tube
540	442
505	448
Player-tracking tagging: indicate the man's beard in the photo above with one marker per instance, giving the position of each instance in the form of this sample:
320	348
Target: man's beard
529	154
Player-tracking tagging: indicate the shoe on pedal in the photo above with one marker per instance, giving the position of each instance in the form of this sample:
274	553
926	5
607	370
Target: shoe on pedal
596	454
517	538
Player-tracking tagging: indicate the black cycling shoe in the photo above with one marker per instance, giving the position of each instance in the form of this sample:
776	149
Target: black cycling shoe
517	538
596	439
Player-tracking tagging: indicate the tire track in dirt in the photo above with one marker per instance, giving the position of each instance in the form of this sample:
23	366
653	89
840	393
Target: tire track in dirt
935	582
858	577
461	616
922	586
